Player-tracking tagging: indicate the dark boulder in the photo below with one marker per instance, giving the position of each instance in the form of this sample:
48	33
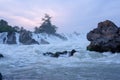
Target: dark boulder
106	37
62	53
51	54
48	54
11	38
1	76
55	55
26	38
72	52
1	56
58	54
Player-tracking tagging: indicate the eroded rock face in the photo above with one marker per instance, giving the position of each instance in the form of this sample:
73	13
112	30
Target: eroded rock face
26	38
11	38
106	37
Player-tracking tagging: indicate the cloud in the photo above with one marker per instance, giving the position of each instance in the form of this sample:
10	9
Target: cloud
68	15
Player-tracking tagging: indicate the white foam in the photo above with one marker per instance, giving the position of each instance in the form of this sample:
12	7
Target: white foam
26	55
17	38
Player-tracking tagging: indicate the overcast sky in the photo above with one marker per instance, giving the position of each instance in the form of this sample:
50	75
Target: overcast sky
67	15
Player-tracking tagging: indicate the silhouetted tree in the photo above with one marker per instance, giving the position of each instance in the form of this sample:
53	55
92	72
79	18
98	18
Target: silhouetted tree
46	26
3	23
17	28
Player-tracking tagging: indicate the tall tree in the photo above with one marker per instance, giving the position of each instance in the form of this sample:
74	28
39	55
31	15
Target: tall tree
46	26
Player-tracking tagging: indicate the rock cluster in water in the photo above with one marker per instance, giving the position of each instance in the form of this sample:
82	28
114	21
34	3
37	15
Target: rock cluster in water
8	33
26	38
57	54
106	37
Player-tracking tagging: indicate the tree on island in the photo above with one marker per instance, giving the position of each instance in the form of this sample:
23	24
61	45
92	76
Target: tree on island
4	27
46	26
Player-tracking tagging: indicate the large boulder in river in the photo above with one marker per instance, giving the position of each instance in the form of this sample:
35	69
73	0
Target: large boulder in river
11	38
26	38
106	37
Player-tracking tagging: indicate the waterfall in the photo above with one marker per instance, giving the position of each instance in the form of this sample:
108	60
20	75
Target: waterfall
17	38
3	37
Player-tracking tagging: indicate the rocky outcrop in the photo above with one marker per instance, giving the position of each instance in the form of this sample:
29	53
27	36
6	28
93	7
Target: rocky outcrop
106	37
26	38
11	38
58	54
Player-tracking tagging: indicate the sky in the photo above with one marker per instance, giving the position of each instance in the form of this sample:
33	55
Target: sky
67	15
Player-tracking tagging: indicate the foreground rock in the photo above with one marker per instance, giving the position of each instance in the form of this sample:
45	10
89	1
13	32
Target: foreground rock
0	76
1	56
58	54
106	37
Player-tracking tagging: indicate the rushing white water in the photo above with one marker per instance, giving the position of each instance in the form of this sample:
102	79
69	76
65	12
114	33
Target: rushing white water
49	38
19	57
17	38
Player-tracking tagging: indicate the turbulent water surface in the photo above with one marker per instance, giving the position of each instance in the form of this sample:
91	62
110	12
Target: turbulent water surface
26	62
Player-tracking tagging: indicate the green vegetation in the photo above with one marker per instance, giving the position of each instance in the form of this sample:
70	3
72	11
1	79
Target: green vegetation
4	27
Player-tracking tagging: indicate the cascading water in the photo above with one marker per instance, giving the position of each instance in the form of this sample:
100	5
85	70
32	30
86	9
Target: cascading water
27	60
17	38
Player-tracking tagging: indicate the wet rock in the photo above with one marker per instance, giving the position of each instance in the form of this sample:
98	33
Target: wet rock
72	52
55	55
51	54
1	76
58	54
106	37
26	38
62	53
1	56
48	54
11	38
